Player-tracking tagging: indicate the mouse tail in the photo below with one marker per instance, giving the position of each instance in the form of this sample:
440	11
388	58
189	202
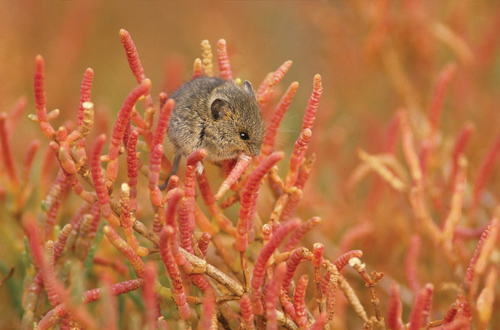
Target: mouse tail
175	167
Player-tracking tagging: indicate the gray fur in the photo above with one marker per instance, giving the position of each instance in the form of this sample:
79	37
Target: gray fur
195	124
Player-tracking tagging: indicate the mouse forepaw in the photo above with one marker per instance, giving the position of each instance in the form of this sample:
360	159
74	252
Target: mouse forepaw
199	168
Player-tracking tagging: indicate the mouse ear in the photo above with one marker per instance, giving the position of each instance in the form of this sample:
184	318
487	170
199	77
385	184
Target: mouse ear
247	87
219	109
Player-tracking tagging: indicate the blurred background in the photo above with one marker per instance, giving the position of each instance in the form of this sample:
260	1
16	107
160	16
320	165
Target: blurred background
374	58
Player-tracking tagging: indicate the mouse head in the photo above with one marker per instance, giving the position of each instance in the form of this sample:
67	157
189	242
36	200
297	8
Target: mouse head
237	118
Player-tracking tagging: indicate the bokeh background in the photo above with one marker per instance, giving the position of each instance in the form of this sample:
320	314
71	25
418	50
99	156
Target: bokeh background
374	58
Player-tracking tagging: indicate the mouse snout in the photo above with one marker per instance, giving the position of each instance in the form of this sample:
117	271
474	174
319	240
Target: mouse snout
254	150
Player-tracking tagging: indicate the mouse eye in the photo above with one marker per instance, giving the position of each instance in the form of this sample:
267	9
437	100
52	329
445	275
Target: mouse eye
244	136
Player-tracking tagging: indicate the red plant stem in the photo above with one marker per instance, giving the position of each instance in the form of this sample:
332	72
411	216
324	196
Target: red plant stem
206	320
15	114
484	175
39	84
295	195
297	235
342	261
85	93
275	120
292	263
125	249
265	90
247	198
132	169
206	192
272	295
312	105
411	263
299	301
125	115
246	312
161	128
394	308
320	322
460	144
263	257
28	159
409	150
132	55
185	231
49	275
297	157
154	173
203	243
88	296
99	183
150	300
238	169
420	312
436	107
7	153
224	67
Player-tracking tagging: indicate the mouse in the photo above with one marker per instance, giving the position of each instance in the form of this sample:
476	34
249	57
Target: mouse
217	115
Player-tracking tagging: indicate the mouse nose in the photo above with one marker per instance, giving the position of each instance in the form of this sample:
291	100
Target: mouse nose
254	151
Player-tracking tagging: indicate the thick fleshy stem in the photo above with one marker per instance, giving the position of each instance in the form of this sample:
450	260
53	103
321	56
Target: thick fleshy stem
457	200
459	149
149	294
99	183
352	298
206	192
241	165
420	313
7	153
320	322
483	176
206	58
132	168
161	128
28	160
16	114
295	195
224	67
203	243
132	55
207	321
394	308
124	117
340	263
125	249
261	262
185	231
272	296
291	265
197	69
40	101
246	312
297	157
275	120
297	235
265	89
299	302
435	110
312	105
85	93
88	296
411	263
126	221
247	198
154	174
